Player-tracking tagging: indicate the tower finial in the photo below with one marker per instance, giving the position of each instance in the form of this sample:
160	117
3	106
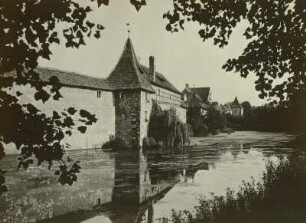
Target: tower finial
128	29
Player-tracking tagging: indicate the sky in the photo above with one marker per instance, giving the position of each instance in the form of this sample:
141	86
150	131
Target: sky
182	57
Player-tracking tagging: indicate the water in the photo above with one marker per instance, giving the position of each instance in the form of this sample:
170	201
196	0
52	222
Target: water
138	186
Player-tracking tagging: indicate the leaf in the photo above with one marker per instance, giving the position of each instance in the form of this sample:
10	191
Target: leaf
57	96
54	80
56	115
104	2
32	109
97	34
138	3
82	129
41	95
71	110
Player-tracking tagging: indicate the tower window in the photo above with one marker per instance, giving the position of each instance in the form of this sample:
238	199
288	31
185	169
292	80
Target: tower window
98	94
147	97
121	95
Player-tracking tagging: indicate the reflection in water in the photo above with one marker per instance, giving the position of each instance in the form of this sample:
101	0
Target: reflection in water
130	187
137	188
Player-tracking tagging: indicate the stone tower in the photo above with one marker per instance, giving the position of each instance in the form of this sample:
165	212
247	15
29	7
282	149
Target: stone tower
129	87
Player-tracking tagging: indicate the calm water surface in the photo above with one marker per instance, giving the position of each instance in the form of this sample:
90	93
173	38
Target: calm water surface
138	186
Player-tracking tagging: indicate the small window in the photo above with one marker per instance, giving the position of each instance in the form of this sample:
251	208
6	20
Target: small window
98	94
146	116
147	97
121	95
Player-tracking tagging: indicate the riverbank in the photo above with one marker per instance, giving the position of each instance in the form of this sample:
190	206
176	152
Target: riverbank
210	165
279	196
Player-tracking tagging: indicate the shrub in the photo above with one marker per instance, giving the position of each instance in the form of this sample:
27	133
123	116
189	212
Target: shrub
116	143
215	120
201	130
166	127
149	143
279	197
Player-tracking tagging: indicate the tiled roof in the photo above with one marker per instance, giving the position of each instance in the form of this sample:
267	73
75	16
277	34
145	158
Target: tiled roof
203	92
74	79
71	79
160	79
195	101
126	74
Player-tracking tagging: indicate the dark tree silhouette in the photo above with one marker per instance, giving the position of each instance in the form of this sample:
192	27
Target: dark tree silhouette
247	108
27	30
276	30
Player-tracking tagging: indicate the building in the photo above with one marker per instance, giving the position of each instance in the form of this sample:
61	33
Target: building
236	108
122	102
197	101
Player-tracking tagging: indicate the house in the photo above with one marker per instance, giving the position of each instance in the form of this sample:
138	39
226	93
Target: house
197	99
122	102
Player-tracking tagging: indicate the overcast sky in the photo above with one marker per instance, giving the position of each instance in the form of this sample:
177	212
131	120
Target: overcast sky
182	57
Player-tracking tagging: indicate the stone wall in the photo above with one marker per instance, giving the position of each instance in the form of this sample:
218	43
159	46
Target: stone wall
86	99
127	116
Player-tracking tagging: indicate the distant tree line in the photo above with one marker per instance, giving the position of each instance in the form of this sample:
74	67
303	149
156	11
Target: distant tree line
268	117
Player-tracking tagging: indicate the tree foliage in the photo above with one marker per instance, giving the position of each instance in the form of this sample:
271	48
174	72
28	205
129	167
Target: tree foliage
215	120
166	128
276	30
28	29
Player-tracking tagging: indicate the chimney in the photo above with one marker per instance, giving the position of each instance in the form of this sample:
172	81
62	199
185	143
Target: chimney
187	87
152	68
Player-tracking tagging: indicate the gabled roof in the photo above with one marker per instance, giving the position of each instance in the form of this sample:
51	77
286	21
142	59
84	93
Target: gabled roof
195	101
203	92
160	79
126	74
71	79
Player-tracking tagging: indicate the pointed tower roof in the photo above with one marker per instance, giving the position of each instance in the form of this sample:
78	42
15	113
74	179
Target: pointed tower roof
235	103
126	74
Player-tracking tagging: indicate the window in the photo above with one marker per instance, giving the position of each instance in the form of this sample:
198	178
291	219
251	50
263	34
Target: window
147	97
98	94
146	116
121	95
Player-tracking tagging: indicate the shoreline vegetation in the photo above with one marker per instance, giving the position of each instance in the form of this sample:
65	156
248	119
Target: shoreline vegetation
266	118
279	196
